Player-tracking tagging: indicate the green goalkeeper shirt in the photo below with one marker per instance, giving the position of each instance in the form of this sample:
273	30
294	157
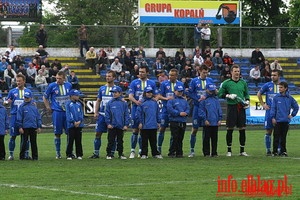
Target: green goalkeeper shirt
229	86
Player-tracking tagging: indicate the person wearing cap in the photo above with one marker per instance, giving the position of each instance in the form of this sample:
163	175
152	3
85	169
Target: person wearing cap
233	89
4	127
210	113
197	92
15	97
178	110
74	117
166	92
117	120
136	90
148	118
29	123
58	94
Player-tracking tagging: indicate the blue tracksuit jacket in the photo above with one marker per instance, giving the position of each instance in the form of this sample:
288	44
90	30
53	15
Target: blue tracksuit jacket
4	122
74	113
28	116
281	107
210	110
175	107
148	114
116	113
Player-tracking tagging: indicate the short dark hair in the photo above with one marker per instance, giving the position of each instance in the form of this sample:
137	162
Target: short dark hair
113	73
61	73
144	67
284	84
21	76
203	67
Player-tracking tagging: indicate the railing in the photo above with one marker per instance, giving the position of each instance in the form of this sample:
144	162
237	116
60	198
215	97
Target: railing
161	36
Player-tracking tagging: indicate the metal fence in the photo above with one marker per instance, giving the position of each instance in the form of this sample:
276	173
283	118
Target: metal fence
160	36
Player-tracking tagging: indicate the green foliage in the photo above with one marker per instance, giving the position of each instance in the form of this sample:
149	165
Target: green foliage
168	179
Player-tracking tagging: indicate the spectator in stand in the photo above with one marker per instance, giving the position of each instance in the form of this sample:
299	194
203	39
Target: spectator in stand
66	70
157	67
116	66
197	34
121	54
196	71
83	36
218	63
205	35
257	57
3	66
186	73
225	73
73	80
40	81
110	55
52	74
266	73
209	63
57	63
22	70
197	50
42	53
206	53
177	54
101	60
170	63
45	71
3	86
123	79
162	77
46	63
140	60
263	65
141	51
189	61
41	36
129	61
12	53
134	73
31	74
198	59
162	60
185	83
133	52
254	75
6	56
276	66
17	61
179	62
10	76
162	52
227	60
218	50
90	58
36	64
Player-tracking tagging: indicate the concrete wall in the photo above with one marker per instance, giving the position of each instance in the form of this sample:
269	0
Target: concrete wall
74	52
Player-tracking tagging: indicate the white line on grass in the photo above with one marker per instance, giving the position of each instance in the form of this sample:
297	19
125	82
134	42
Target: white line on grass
60	190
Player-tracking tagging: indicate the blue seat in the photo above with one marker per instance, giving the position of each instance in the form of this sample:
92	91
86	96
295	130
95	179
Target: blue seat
298	61
245	61
236	60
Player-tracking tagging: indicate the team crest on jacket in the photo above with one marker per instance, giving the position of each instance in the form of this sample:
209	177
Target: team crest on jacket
138	86
56	91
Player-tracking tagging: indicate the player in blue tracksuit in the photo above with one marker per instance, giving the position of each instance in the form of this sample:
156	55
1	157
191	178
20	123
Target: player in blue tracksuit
178	110
148	118
74	117
58	94
210	113
166	92
104	95
270	89
4	127
197	92
136	90
16	97
281	116
117	120
29	123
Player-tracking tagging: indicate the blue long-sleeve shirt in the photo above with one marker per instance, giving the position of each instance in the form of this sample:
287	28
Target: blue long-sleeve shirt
4	122
116	113
28	116
148	114
175	107
210	110
74	113
281	107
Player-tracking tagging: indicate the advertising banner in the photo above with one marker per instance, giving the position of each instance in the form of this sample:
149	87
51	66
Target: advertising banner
189	12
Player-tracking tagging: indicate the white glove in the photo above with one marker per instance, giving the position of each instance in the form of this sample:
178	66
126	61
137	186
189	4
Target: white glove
247	104
231	96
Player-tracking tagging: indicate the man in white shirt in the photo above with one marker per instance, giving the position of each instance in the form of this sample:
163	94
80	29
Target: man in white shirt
205	36
255	75
116	66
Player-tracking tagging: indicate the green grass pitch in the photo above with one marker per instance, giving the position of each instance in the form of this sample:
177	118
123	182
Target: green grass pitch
169	178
